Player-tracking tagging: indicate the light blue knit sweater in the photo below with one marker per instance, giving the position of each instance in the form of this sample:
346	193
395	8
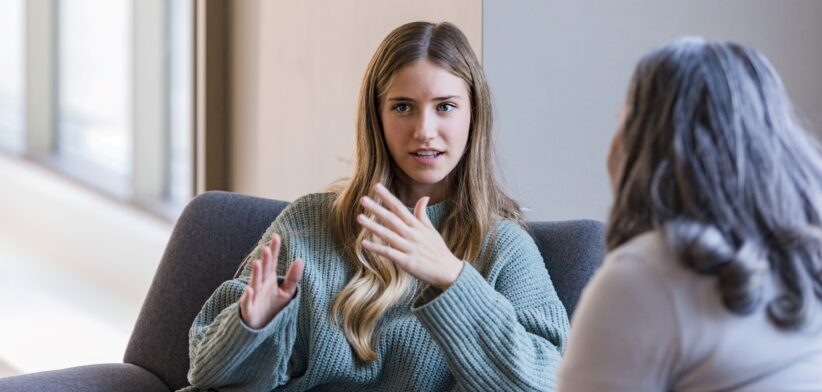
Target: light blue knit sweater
499	327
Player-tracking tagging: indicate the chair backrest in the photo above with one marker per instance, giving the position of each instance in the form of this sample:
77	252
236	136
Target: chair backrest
572	251
212	236
218	229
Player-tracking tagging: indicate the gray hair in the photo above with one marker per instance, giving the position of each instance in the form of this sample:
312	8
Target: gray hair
712	155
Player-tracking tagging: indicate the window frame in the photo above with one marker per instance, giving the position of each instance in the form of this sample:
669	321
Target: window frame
147	186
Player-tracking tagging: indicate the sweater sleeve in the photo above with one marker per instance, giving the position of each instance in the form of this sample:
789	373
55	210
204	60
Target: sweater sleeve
224	351
506	337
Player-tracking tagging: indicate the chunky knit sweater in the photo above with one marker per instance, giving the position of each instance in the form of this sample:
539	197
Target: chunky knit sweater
499	327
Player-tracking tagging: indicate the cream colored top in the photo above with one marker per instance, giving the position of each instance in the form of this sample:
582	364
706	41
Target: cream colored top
647	323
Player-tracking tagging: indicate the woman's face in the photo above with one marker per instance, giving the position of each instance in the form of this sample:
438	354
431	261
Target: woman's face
426	116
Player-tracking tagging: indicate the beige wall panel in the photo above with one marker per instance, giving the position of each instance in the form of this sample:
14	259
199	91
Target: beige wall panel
295	72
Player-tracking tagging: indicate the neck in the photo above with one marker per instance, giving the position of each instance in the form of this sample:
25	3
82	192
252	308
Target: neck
410	194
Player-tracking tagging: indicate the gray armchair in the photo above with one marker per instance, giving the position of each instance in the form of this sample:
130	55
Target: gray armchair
215	232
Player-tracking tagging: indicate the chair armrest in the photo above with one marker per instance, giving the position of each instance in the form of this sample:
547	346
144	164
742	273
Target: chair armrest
93	378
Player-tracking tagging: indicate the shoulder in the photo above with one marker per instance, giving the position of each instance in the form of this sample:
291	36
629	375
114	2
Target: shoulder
648	256
304	218
514	267
305	212
509	237
641	257
310	203
640	276
625	323
510	253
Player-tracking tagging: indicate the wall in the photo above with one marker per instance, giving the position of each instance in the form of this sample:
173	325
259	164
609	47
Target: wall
295	73
559	71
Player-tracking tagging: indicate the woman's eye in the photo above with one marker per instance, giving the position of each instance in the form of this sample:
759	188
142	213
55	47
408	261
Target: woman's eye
446	107
402	108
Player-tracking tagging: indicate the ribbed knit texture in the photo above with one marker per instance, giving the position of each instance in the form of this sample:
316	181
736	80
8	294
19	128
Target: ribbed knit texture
499	327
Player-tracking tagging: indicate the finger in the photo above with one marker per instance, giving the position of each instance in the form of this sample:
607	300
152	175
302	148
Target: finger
292	277
394	204
256	279
246	302
420	212
386	251
390	237
387	217
247	299
274	246
264	263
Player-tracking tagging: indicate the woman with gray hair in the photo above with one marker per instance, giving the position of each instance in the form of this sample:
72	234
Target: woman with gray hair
713	280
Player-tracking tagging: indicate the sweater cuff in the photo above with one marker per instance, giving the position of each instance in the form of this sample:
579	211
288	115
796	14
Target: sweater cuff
464	303
237	340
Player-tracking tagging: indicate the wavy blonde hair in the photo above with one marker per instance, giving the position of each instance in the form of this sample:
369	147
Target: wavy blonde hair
477	201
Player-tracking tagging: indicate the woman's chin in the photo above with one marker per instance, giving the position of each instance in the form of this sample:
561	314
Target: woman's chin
428	180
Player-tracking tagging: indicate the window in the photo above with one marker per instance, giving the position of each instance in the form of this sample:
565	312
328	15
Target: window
109	87
94	92
178	187
11	75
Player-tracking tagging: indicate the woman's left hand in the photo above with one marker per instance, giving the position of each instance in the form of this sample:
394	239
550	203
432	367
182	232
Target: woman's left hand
411	241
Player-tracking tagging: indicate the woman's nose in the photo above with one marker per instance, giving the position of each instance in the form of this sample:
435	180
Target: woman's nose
426	127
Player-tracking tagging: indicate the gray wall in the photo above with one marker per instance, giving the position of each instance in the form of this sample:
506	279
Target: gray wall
559	70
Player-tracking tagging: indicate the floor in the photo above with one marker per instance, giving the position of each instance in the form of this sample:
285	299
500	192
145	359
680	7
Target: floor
6	370
74	269
53	319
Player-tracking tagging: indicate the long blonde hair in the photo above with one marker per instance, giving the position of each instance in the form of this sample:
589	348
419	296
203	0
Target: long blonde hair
477	200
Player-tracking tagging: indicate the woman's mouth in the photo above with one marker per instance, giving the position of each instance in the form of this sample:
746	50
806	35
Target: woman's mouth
427	153
426	156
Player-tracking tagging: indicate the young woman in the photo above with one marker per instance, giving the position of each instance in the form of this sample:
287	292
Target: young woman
417	275
714	277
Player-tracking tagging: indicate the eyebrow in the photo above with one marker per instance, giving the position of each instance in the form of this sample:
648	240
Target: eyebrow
407	99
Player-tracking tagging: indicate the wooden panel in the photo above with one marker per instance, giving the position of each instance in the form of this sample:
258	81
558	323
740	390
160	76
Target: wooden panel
295	72
211	99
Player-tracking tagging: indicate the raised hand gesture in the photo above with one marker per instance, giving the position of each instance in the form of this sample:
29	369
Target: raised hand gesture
411	240
264	297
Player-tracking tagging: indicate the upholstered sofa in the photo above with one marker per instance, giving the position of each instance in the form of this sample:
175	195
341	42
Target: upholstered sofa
211	237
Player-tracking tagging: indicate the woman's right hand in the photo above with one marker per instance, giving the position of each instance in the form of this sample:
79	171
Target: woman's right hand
264	297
